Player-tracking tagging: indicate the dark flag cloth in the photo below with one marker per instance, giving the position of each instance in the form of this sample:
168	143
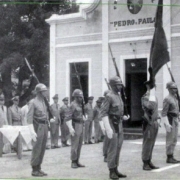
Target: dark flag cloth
159	54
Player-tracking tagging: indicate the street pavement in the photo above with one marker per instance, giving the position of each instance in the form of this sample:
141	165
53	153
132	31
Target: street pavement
57	163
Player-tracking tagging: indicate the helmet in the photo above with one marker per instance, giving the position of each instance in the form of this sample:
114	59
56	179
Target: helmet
77	93
106	92
171	85
40	87
115	80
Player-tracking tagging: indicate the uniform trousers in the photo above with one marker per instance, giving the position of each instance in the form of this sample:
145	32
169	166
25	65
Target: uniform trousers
149	137
76	141
114	148
39	146
105	145
171	138
54	134
97	129
64	132
88	130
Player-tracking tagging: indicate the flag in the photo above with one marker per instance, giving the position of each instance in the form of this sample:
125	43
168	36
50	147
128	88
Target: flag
159	54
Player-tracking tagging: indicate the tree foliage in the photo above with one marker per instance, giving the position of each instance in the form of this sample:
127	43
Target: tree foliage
24	33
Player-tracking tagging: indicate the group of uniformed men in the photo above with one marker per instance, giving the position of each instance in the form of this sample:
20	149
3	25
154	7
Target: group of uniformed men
108	116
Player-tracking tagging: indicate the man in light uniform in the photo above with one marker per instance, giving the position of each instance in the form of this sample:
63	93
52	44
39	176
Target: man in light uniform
112	113
96	119
54	127
37	119
150	125
88	124
74	119
64	129
170	117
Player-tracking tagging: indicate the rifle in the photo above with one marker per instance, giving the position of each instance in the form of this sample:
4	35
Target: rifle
45	99
123	88
79	82
109	87
172	78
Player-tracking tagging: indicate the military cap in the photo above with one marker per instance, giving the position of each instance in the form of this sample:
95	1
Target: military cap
149	83
171	85
99	100
55	96
65	99
15	98
106	92
115	80
40	87
90	98
1	96
77	93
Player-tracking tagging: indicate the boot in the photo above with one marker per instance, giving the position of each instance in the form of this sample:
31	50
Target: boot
146	166
119	174
42	172
74	164
170	159
152	166
79	164
35	172
112	174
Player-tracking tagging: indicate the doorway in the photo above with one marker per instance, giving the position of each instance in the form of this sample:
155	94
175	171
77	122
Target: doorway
136	75
80	70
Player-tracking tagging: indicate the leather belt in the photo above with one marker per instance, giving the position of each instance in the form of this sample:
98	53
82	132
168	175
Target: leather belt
80	121
40	122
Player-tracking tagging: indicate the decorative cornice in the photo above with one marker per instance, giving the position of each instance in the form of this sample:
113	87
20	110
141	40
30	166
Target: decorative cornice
84	9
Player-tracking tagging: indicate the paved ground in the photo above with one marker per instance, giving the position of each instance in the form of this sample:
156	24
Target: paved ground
57	163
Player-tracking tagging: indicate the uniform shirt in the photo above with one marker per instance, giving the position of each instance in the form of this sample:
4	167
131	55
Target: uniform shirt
37	110
24	111
74	112
63	111
56	112
89	111
3	116
170	105
96	114
150	108
14	114
112	105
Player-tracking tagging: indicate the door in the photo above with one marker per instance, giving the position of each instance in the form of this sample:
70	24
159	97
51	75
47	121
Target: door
81	71
136	75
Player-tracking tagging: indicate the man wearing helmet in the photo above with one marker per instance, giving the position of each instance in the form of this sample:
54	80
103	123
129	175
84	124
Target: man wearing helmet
74	119
112	113
170	117
37	119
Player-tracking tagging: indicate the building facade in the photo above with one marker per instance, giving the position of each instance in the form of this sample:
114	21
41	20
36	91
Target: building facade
81	41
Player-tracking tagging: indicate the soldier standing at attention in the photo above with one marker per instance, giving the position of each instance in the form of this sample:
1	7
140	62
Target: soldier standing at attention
74	119
37	118
106	140
64	129
54	127
170	117
96	119
88	124
150	125
112	113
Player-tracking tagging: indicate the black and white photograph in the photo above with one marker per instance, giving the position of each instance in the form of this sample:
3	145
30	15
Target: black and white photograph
89	89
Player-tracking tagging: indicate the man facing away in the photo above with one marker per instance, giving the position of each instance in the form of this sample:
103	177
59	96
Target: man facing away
150	125
170	117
